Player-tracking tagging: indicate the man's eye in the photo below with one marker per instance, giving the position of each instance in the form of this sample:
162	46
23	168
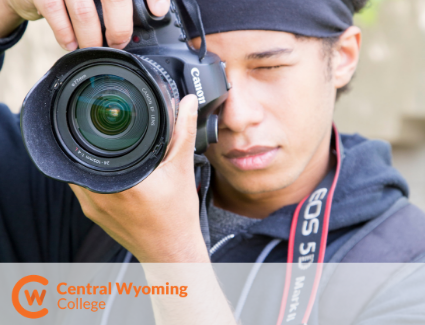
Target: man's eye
271	67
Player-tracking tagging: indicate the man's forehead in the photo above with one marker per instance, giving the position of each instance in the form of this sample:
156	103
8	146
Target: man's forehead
251	45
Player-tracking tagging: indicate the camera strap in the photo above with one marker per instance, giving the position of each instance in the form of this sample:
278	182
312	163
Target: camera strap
194	13
306	247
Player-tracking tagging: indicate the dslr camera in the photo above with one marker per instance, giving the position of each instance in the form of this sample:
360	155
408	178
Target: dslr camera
103	118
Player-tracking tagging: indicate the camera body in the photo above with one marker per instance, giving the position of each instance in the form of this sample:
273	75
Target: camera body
103	118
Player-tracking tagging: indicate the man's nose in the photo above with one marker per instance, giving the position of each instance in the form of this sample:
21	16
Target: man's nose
242	109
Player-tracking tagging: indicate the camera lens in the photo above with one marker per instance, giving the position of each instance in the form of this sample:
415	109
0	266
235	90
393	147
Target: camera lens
112	116
101	118
109	113
104	118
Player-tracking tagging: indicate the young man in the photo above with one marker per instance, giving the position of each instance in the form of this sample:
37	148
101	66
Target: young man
286	62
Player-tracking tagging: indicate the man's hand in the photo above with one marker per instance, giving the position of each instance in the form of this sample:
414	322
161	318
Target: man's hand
81	28
157	220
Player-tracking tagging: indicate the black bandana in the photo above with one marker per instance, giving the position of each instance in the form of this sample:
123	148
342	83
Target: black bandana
316	18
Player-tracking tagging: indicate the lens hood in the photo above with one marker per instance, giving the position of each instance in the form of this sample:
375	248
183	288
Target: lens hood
48	137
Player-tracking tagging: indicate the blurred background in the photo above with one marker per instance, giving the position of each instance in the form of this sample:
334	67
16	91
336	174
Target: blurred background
387	100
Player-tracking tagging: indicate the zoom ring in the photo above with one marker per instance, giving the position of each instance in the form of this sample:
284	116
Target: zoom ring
170	82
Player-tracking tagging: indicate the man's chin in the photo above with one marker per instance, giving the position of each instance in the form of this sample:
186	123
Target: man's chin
258	185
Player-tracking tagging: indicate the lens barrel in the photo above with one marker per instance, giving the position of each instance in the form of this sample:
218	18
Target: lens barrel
101	118
108	114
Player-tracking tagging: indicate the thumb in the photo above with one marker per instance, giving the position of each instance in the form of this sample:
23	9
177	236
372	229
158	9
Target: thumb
184	136
158	8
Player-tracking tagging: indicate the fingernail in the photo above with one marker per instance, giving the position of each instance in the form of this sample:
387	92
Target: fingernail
161	7
71	46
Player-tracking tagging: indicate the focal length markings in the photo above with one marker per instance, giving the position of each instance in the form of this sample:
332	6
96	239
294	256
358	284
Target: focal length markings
90	158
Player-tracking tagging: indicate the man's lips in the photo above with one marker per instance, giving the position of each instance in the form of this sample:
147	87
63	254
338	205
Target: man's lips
258	157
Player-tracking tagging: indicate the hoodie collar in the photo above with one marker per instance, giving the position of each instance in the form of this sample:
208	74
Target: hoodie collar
367	186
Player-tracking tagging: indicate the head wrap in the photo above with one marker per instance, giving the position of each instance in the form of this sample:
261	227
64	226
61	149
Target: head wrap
315	18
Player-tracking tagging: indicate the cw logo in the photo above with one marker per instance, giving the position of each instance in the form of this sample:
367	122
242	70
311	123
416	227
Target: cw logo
35	296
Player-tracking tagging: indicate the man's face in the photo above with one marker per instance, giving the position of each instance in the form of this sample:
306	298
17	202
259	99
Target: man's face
279	110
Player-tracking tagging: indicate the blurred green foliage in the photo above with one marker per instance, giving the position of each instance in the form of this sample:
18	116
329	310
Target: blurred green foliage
369	15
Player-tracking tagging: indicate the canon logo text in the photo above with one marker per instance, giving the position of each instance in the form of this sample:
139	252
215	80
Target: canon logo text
198	86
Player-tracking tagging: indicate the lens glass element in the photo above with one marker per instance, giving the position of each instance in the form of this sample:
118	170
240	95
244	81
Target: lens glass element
109	112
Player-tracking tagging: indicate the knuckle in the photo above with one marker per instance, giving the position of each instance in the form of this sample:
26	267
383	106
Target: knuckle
193	127
118	36
191	133
94	211
52	6
88	211
65	34
84	11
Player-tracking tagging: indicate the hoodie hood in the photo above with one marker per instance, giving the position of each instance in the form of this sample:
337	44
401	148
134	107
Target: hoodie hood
367	186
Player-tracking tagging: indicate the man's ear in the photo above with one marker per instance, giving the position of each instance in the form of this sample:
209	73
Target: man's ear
346	56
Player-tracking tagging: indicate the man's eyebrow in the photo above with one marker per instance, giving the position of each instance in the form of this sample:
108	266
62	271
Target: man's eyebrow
268	54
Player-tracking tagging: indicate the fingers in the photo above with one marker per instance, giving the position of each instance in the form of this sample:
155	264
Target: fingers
183	142
55	13
158	7
84	29
118	16
85	22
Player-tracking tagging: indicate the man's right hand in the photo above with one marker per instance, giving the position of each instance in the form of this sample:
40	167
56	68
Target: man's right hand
75	23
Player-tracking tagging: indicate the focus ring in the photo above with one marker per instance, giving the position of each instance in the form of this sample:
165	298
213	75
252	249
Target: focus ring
170	81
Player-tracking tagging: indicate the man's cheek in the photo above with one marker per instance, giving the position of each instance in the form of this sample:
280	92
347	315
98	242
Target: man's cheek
212	149
213	155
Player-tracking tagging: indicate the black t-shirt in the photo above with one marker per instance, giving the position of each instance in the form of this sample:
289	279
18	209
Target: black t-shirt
40	218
